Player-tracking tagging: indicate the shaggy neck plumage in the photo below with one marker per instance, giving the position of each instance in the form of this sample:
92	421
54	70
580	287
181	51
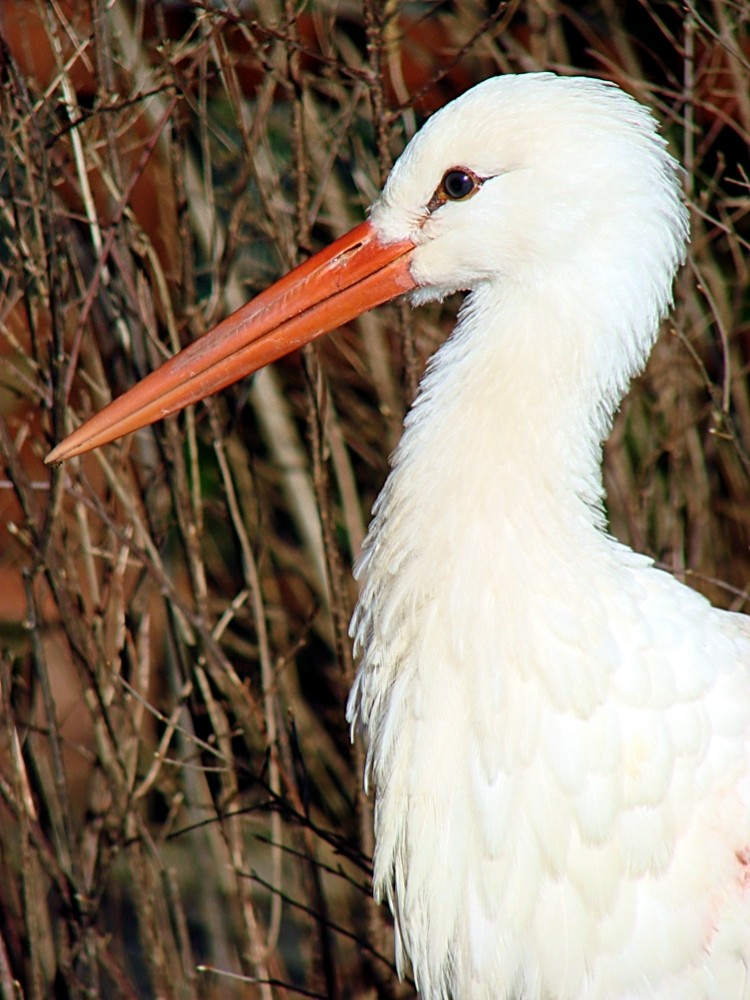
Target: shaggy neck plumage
495	490
515	407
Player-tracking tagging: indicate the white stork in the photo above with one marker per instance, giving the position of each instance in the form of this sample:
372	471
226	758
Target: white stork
558	733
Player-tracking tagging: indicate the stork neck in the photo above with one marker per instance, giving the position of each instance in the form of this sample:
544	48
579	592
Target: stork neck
516	404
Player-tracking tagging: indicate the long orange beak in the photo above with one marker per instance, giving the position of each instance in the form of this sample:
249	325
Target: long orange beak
354	274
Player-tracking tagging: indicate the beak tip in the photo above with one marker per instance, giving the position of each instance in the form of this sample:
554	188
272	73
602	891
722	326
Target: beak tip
62	451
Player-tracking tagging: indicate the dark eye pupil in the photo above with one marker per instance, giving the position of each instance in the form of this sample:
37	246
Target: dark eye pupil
458	184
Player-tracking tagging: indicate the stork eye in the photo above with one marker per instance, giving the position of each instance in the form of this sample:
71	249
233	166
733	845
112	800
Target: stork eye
459	184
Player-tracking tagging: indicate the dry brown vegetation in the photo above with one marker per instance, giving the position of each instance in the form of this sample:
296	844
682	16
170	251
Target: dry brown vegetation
180	806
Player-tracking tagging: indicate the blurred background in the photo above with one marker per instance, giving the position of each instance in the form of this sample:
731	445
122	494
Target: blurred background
181	811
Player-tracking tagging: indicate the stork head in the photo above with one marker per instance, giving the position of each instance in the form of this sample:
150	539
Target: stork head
531	178
534	182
